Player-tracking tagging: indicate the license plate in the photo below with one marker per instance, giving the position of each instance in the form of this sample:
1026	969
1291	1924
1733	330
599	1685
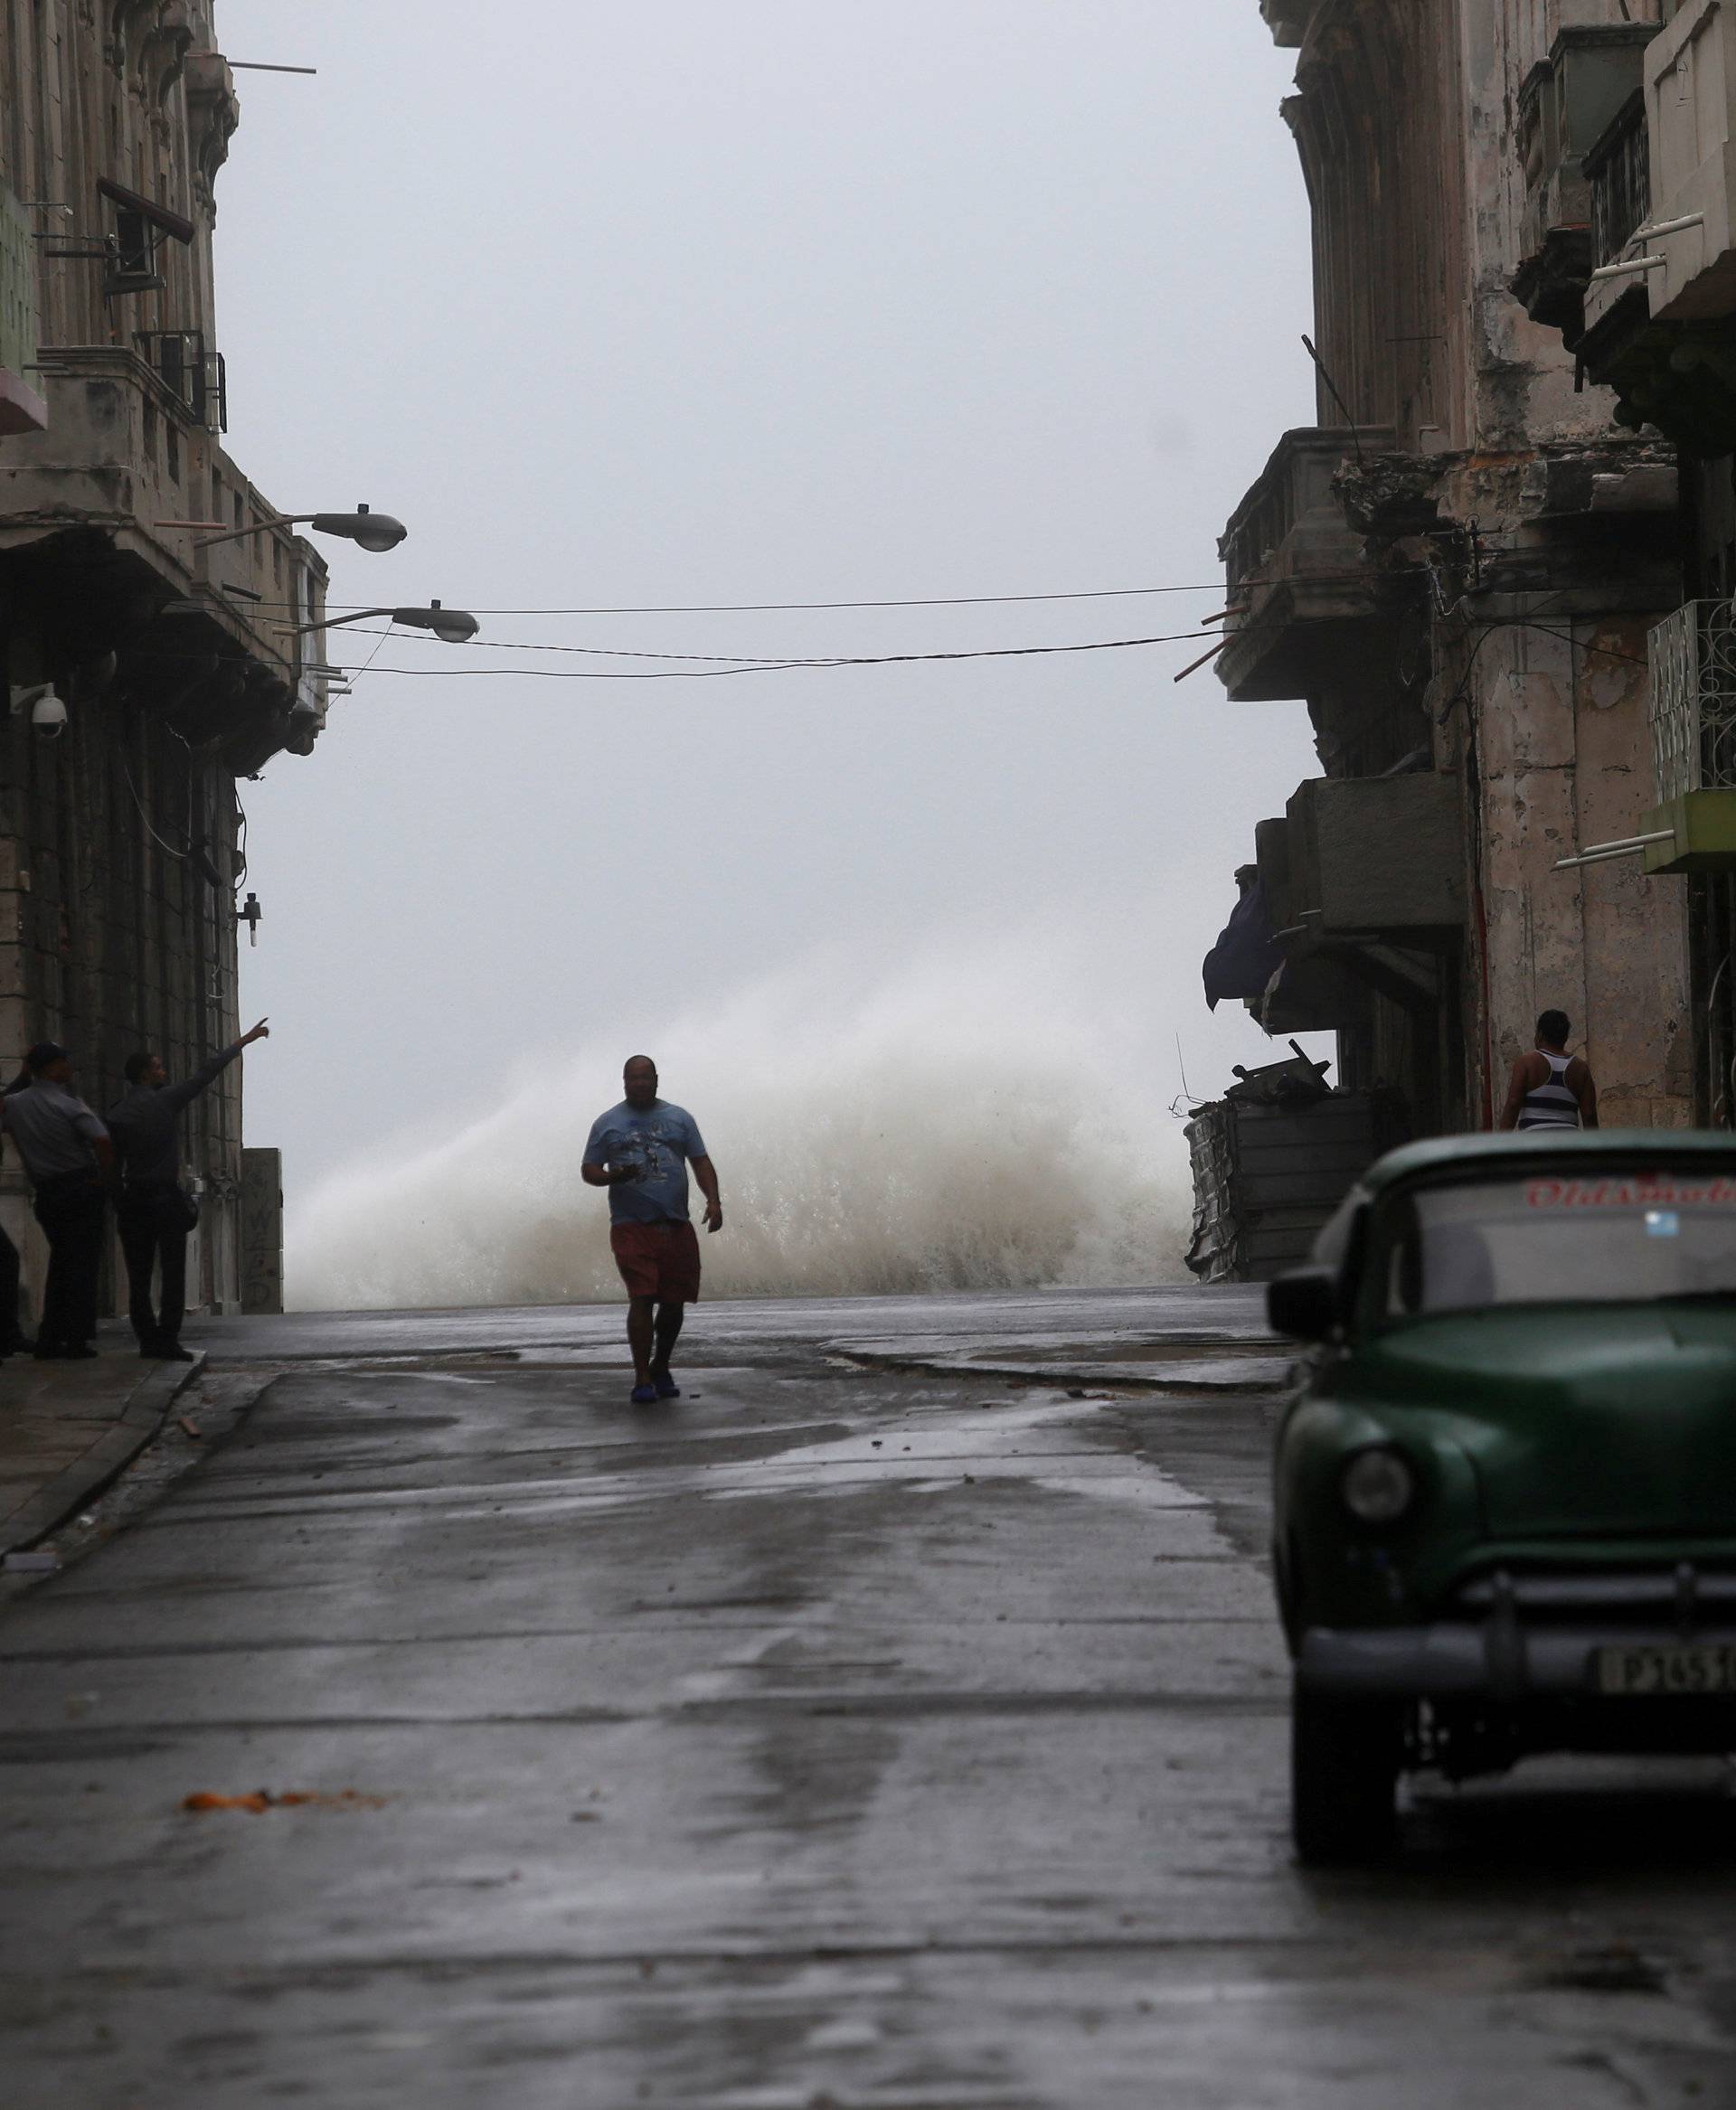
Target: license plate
1640	1671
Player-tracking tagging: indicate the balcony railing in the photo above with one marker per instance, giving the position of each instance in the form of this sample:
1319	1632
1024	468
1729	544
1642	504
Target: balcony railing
1618	168
1566	104
196	376
1373	857
123	457
1259	542
1294	564
1693	707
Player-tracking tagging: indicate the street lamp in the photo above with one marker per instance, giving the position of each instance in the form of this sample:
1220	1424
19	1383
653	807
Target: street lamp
450	625
375	532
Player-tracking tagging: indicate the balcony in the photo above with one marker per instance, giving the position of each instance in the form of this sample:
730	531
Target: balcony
1298	586
85	512
1565	104
1662	295
1361	861
22	409
1690	111
1693	712
1288	21
1618	172
1284	995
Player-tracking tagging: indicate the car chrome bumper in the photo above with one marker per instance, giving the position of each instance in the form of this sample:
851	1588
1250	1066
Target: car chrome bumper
1493	1658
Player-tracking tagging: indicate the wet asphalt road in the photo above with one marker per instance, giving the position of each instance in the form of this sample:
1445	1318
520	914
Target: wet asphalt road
830	1737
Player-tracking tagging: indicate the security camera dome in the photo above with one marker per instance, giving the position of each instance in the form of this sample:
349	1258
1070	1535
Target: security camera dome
48	716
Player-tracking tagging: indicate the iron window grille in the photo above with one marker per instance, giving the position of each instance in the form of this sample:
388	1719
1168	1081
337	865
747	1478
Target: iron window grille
197	376
1692	703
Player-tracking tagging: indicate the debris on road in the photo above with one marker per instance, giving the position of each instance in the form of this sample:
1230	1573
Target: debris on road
263	1799
1609	1967
189	1427
34	1560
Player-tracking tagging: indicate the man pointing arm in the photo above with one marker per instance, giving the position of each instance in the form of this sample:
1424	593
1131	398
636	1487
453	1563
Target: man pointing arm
155	1211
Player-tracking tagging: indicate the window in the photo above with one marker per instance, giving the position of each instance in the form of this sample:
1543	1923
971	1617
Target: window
139	224
1585	1234
134	247
171	451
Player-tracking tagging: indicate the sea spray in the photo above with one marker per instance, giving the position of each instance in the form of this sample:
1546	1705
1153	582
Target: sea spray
936	1129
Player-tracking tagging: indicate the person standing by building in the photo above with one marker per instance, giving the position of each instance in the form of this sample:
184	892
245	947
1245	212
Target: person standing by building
1549	1088
640	1151
155	1210
69	1159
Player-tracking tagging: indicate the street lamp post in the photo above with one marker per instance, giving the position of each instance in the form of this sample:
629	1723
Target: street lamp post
450	625
375	532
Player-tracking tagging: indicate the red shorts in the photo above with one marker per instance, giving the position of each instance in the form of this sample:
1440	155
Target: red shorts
657	1259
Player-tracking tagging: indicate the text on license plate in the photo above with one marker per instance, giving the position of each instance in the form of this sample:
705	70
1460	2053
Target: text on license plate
1687	1669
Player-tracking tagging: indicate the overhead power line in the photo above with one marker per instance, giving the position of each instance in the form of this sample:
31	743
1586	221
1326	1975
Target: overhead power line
971	600
715	665
782	659
773	666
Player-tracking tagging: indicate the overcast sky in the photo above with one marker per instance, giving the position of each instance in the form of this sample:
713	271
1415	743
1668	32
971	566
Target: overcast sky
749	301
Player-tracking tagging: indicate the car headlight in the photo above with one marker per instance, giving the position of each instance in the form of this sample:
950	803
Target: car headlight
1378	1485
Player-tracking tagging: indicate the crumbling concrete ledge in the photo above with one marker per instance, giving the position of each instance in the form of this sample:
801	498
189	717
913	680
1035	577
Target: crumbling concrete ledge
143	1411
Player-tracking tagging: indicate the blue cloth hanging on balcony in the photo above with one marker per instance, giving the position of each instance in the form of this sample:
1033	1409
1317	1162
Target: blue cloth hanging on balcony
1247	954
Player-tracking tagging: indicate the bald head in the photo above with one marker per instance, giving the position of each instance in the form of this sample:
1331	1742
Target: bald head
640	1078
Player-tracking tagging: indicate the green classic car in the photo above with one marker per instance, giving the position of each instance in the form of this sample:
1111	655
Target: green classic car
1505	1512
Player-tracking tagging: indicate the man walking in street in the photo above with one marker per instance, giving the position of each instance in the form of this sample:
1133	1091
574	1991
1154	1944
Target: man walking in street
155	1211
71	1163
1549	1088
640	1151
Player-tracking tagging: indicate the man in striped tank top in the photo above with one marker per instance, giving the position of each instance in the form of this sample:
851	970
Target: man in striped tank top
1550	1088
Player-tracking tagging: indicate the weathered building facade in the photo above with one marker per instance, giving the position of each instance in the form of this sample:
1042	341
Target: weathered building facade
1640	279
149	664
1457	571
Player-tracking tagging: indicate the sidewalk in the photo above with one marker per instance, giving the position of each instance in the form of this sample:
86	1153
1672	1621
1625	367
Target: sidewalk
68	1428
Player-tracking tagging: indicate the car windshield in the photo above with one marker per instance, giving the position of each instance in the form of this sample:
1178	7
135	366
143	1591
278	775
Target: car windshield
1613	1238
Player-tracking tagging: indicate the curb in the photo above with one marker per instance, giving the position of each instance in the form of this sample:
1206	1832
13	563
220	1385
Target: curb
82	1483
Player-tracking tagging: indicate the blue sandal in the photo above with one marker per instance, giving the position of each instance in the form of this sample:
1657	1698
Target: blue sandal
645	1395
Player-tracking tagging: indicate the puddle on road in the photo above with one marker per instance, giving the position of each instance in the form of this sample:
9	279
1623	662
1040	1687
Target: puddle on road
930	1449
987	1448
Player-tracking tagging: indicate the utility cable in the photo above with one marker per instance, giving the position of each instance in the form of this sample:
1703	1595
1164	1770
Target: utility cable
978	601
754	659
161	841
351	679
969	601
449	674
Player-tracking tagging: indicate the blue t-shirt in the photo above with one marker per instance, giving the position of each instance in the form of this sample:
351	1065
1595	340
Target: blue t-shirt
658	1141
